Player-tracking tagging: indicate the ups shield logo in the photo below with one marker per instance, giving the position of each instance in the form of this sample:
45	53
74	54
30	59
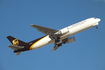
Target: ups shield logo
15	42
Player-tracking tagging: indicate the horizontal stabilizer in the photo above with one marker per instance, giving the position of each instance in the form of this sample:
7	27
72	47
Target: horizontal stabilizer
15	47
18	53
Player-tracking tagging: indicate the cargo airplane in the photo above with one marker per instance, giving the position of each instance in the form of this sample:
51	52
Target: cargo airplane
58	37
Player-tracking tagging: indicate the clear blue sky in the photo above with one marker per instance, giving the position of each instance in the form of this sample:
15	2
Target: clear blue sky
86	53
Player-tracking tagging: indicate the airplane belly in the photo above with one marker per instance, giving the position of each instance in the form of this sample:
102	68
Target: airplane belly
42	42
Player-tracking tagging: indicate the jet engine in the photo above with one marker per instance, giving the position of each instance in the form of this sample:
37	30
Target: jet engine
70	40
62	31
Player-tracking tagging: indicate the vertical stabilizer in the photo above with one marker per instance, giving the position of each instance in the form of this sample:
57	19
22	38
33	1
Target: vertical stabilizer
17	44
15	41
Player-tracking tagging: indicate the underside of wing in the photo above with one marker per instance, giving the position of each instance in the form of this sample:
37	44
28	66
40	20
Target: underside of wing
45	30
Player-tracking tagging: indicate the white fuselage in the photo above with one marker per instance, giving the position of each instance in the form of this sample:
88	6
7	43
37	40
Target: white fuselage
73	29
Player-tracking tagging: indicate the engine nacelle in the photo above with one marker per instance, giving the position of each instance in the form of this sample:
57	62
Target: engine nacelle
62	31
70	40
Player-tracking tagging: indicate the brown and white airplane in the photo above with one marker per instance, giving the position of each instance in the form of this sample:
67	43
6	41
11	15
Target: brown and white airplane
58	37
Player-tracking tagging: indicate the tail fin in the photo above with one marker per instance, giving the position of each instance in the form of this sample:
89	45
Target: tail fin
15	41
17	44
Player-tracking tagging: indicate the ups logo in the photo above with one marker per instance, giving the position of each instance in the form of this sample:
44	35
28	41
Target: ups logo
15	42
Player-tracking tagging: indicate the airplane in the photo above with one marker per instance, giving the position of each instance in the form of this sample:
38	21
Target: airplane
58	37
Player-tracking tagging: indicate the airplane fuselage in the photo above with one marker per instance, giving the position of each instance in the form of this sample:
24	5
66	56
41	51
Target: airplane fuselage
72	29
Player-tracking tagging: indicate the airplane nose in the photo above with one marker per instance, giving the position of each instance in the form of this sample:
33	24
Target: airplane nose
98	19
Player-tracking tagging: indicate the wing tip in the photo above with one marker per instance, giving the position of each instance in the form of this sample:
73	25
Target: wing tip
32	24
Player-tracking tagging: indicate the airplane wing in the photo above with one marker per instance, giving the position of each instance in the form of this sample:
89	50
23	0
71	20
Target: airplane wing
55	47
45	30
